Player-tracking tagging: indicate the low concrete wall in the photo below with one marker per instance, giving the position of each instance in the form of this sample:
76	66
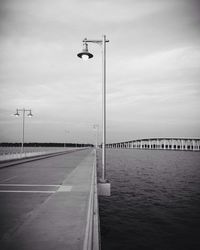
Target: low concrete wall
92	233
38	156
16	156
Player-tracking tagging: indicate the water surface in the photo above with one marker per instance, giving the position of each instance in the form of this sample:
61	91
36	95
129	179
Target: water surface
155	202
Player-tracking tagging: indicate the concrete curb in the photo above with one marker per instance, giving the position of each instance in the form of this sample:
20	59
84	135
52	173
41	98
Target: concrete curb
13	162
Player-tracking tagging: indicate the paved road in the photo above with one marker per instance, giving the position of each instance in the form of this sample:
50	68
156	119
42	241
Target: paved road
25	188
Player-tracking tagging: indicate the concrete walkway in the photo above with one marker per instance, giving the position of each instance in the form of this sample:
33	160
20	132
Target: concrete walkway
60	222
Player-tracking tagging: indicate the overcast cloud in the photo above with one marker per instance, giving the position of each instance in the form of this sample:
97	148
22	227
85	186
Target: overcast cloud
153	69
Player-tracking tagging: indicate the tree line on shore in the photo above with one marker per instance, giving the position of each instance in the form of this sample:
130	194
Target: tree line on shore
45	144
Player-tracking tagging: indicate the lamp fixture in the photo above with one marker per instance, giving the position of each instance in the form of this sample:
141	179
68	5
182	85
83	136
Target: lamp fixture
85	54
30	114
23	111
17	113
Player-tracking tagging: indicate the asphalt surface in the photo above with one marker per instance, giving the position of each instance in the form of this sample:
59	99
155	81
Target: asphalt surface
27	195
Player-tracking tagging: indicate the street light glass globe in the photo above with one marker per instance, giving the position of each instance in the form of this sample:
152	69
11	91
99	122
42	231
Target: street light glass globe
85	57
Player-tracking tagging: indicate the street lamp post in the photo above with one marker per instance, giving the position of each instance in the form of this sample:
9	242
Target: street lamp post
96	128
65	141
23	123
85	54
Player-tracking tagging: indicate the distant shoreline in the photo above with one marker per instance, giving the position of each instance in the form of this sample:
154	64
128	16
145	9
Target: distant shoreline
44	144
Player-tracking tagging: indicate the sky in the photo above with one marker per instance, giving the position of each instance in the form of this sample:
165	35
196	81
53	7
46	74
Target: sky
153	69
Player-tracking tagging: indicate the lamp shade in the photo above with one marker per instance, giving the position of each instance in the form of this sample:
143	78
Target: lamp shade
30	114
16	114
85	54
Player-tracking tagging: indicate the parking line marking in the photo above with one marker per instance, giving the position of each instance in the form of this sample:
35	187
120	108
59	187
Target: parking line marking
64	188
60	188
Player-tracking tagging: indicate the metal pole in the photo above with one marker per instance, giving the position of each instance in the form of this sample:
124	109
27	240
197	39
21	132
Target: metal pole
103	42
97	130
104	109
96	127
23	117
64	141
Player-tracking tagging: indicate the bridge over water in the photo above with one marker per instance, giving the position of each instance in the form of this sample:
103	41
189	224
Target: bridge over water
187	144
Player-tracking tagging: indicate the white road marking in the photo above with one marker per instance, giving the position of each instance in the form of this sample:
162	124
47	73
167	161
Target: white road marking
61	188
64	188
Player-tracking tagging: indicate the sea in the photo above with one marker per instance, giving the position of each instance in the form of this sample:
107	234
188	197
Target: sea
154	202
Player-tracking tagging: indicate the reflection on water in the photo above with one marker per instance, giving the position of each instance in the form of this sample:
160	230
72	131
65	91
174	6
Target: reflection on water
155	202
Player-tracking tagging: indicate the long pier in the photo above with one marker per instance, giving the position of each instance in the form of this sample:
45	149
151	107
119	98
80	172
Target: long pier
50	203
186	144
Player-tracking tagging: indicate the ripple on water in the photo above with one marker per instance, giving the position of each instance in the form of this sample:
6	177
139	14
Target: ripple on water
155	200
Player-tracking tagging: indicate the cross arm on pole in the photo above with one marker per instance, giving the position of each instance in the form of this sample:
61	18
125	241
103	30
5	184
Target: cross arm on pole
24	110
94	41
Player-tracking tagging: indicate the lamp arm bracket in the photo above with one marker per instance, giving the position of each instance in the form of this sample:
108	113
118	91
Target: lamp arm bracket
24	110
94	41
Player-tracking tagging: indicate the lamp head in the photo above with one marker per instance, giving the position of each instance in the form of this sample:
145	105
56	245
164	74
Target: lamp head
17	113
85	55
30	114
